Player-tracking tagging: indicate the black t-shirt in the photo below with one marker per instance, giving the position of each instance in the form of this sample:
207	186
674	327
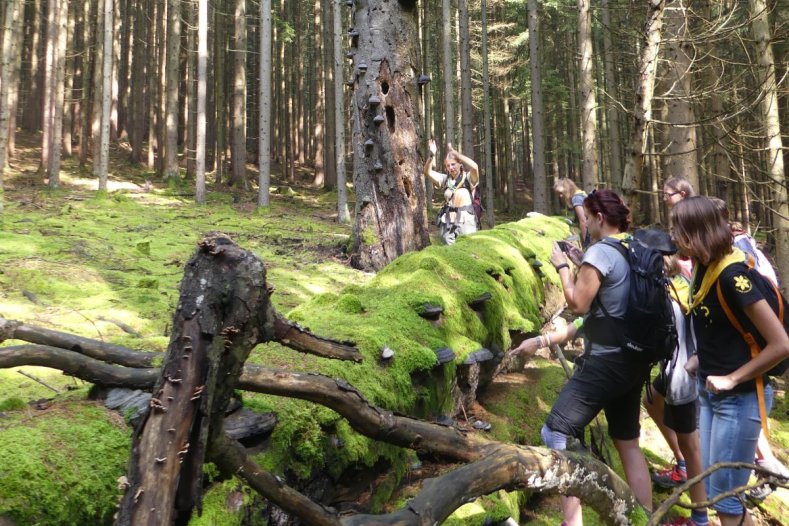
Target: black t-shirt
721	348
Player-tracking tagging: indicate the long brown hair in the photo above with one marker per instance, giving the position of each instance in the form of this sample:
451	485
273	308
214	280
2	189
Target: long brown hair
567	188
699	225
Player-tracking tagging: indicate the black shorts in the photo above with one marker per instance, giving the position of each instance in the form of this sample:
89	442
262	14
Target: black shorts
611	383
681	418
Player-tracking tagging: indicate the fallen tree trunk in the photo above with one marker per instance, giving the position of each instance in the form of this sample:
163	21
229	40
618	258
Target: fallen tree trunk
492	464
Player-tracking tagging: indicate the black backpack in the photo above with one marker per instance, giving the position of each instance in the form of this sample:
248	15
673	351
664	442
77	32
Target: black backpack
647	329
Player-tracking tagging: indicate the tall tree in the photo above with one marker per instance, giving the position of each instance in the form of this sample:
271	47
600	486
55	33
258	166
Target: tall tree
391	216
106	98
202	74
329	144
58	94
10	47
489	191
343	216
446	47
647	67
537	126
588	100
612	88
171	83
682	160
264	98
138	83
760	26
239	149
466	106
49	81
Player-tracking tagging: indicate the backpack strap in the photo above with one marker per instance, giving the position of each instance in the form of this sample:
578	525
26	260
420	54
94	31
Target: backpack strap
755	350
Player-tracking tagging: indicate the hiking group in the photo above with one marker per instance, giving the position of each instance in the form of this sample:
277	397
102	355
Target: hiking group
703	302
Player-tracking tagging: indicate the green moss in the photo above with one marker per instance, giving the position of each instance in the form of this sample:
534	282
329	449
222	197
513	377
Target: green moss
12	404
54	456
350	304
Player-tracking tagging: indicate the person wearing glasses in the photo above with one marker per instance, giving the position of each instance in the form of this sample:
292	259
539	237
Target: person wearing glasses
675	189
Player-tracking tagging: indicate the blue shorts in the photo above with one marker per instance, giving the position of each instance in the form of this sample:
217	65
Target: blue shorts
729	427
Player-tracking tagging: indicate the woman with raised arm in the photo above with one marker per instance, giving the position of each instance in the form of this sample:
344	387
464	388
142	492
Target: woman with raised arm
457	216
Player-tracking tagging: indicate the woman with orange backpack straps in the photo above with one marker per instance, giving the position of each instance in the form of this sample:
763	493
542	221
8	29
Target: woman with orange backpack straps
729	374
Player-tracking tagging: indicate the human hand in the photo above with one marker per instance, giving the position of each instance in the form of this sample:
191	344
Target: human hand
449	147
529	346
692	365
720	384
557	256
431	145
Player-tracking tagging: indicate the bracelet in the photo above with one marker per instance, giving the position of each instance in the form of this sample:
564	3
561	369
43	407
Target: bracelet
561	266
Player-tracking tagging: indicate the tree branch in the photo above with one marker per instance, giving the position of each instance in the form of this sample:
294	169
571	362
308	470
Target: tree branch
106	352
292	335
78	365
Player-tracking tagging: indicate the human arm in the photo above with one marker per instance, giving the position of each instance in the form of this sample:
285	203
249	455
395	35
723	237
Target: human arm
437	177
579	292
581	215
777	349
559	336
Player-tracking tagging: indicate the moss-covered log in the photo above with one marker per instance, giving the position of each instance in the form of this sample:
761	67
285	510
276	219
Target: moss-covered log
492	465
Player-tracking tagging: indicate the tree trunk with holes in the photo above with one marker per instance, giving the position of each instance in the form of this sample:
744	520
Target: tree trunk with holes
391	218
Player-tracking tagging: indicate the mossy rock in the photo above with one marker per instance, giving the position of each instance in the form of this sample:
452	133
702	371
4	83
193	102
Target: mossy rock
61	468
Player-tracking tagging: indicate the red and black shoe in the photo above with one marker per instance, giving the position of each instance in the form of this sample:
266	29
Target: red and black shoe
671	477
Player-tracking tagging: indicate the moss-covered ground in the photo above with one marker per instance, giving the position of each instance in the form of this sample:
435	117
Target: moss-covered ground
80	262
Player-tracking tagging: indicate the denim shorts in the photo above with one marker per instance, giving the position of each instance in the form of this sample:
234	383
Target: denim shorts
611	383
729	427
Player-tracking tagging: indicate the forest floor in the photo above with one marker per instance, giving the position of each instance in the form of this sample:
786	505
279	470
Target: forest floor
108	267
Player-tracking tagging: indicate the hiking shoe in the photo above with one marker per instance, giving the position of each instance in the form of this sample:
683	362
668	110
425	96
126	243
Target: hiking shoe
670	477
759	493
775	466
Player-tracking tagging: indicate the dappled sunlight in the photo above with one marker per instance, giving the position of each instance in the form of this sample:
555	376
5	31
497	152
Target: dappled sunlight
92	183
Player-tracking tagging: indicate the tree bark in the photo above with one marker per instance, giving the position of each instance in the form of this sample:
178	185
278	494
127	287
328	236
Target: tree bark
10	43
760	27
58	94
537	126
612	88
171	171
682	147
466	107
106	96
264	98
137	94
343	216
202	80
49	79
647	66
391	216
449	98
588	100
489	190
239	150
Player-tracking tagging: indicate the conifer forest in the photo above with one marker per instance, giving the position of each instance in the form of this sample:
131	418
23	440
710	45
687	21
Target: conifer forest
223	296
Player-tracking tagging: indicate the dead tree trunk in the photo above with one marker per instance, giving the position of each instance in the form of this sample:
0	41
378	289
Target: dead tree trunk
391	217
223	312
